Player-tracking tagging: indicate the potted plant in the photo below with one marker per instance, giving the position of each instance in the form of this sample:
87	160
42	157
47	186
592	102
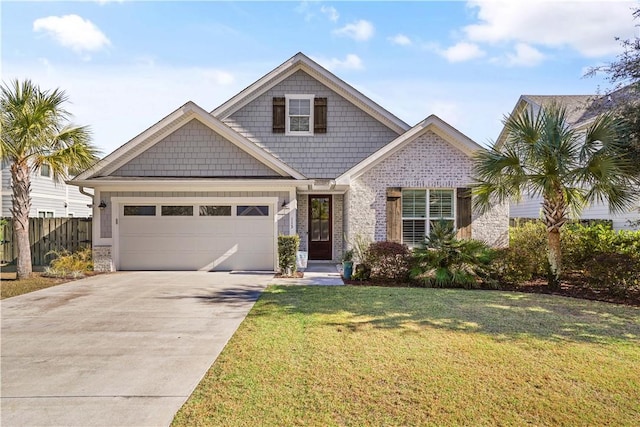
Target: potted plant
347	264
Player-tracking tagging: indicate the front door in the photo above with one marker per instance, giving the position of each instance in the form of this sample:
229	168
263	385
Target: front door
320	227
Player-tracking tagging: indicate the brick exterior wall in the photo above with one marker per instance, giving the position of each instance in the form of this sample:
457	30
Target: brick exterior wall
426	162
194	150
352	134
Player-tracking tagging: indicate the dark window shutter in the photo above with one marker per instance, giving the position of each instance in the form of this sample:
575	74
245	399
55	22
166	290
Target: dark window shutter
463	213
394	214
279	115
320	115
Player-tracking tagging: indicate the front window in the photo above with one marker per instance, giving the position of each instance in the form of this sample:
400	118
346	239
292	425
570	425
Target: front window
418	216
299	114
45	170
45	214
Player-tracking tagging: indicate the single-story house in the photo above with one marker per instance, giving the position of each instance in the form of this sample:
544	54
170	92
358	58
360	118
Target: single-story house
581	110
297	152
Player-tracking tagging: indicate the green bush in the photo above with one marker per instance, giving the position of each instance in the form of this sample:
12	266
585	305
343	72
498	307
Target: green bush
69	265
287	251
388	261
619	273
444	261
581	243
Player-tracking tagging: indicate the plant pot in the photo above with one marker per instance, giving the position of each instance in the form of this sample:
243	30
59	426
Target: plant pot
347	269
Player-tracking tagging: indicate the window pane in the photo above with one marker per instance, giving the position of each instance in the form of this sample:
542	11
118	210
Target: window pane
215	210
140	210
299	124
413	232
45	170
414	203
447	222
441	204
177	211
252	211
299	107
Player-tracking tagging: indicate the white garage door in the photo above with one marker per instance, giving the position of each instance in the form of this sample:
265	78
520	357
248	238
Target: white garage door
196	237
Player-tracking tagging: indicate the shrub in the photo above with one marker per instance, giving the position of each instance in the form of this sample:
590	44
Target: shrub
287	250
388	261
582	243
69	265
619	273
444	261
529	241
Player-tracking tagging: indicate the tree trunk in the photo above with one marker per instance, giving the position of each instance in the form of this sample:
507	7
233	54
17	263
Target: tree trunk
555	259
554	216
21	183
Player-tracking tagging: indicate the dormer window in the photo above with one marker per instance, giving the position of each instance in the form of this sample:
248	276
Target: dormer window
299	115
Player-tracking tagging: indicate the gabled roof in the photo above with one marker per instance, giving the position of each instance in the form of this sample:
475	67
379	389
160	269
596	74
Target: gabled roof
304	63
581	109
169	124
432	123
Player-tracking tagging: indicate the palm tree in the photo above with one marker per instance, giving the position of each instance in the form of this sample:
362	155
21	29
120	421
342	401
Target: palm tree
543	156
35	131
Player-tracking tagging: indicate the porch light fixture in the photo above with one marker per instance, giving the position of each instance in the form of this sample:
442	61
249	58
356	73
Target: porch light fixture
102	204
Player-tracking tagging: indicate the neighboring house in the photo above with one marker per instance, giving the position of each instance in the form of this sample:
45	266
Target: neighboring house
581	112
297	152
48	198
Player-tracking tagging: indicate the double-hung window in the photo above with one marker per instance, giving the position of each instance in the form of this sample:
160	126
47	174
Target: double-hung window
299	114
421	209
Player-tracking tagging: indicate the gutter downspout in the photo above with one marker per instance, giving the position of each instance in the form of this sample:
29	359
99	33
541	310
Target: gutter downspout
81	189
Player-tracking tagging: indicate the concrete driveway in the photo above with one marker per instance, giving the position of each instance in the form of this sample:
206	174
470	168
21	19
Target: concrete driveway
124	349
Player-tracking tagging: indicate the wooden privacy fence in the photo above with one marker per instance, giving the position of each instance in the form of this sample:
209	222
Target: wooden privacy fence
46	235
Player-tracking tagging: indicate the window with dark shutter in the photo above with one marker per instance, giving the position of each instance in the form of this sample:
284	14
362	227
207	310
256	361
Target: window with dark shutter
320	115
279	106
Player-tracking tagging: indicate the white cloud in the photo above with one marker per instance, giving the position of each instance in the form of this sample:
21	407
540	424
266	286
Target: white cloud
74	32
331	13
400	39
589	27
524	56
350	62
461	52
133	97
360	30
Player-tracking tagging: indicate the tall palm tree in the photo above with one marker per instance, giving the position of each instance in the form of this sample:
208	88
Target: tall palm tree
35	131
543	156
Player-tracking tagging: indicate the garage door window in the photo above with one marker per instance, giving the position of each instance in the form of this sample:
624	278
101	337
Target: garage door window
215	210
177	211
139	210
252	211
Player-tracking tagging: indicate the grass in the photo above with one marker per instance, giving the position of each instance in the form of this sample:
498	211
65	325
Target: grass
11	287
360	356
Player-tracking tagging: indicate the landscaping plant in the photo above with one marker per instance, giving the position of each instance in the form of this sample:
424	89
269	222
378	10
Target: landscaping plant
69	265
444	261
287	250
388	261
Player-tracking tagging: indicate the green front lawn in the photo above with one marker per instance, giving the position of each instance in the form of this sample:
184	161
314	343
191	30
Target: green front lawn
405	356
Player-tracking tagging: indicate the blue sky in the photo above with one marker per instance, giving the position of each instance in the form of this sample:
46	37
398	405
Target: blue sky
127	64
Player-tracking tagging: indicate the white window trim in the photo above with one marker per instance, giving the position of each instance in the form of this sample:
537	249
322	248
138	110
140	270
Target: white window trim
49	177
45	212
311	99
427	218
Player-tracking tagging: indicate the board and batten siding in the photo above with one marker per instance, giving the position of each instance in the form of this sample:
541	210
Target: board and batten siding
194	150
351	134
426	162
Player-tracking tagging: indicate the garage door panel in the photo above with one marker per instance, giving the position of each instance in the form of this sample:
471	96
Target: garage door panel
196	243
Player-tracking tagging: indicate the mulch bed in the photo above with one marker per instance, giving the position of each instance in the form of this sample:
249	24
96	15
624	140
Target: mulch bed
572	286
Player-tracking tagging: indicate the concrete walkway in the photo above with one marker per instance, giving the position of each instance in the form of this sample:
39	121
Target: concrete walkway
124	349
316	273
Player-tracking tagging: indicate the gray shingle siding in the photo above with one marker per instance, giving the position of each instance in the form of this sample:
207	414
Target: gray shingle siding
351	136
194	150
